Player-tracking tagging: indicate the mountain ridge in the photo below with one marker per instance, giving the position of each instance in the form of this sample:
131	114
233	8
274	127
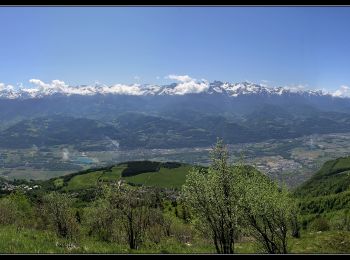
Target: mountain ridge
59	88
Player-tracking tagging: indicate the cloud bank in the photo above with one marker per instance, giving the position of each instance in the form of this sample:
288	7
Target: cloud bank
186	85
343	91
59	86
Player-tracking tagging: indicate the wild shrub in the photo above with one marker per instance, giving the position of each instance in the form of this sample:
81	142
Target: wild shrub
16	209
58	211
320	224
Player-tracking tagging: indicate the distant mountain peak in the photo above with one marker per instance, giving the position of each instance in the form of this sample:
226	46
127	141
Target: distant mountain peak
182	88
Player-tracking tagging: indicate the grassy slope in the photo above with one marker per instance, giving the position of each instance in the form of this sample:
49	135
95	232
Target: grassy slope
326	194
332	178
165	178
34	241
39	242
330	242
27	241
83	181
24	240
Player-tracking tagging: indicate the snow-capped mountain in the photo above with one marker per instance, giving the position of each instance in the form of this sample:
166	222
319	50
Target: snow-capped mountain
247	88
187	113
183	88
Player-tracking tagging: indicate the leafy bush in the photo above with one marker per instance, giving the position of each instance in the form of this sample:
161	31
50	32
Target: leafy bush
341	221
320	224
58	211
16	209
182	233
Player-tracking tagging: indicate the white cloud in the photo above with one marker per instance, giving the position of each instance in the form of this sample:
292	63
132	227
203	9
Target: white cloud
184	78
343	91
86	90
191	87
39	83
265	83
58	86
123	89
188	85
296	88
4	87
54	83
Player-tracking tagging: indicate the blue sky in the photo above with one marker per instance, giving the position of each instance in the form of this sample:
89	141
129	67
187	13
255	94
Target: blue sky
80	45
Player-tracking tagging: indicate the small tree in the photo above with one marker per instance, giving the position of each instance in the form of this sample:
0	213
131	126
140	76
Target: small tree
213	198
320	224
129	212
101	217
133	208
101	220
268	212
16	209
58	210
134	213
295	222
185	215
229	199
346	220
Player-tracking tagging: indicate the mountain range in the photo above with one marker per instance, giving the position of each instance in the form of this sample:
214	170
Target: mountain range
185	114
58	87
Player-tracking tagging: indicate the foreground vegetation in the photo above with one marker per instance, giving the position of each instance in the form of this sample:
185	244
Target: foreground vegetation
13	240
151	207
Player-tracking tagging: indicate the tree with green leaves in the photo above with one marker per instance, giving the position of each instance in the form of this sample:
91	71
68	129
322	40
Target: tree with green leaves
101	217
295	220
128	210
213	197
16	209
231	199
57	208
268	211
134	213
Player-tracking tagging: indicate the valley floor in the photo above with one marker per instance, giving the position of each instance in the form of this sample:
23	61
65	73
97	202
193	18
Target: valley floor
291	161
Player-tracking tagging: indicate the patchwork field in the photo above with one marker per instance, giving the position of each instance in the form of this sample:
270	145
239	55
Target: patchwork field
291	161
